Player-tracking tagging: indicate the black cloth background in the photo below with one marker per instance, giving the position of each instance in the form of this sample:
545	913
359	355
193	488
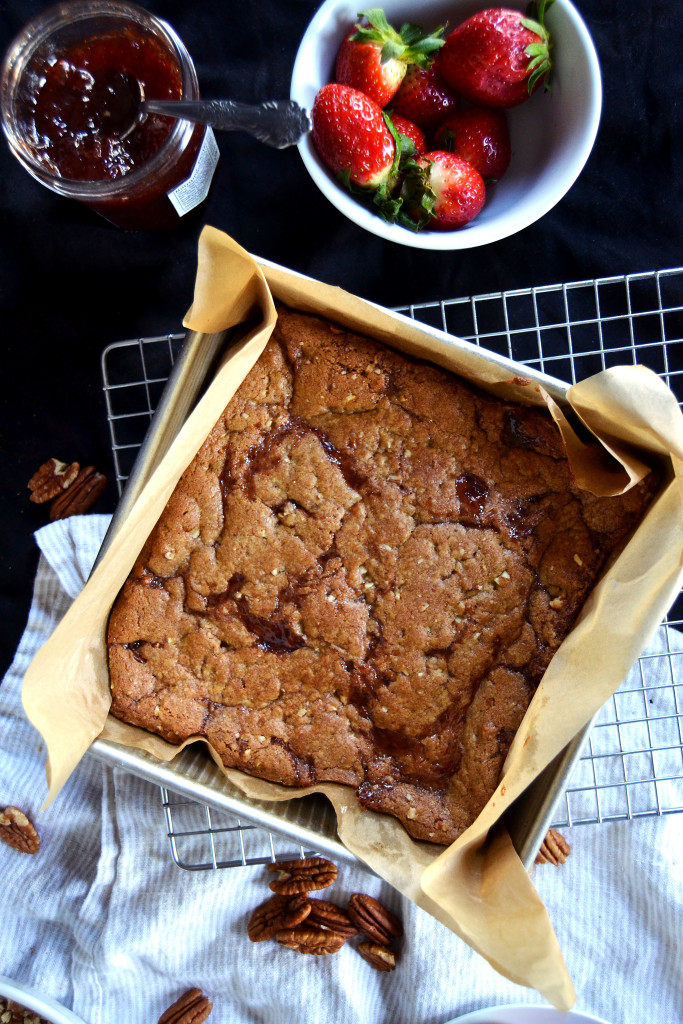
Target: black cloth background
70	284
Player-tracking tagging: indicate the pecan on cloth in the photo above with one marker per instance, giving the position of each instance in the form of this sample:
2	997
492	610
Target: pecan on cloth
16	830
191	1008
276	914
318	927
303	875
328	915
373	919
554	849
380	957
305	939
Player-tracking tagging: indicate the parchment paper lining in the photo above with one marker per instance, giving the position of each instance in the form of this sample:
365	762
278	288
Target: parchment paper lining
477	887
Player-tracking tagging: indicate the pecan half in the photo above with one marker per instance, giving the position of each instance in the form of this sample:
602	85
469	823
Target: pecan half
305	939
51	479
81	496
328	915
554	849
17	831
277	914
191	1008
303	875
373	919
380	957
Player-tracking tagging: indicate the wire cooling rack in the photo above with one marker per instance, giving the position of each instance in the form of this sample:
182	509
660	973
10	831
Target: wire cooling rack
632	765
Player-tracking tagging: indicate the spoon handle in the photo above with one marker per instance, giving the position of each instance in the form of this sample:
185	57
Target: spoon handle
278	123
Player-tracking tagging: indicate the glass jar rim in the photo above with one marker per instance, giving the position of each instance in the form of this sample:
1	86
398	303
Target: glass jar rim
34	34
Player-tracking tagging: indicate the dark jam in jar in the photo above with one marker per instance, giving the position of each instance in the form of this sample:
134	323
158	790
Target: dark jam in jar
82	111
71	98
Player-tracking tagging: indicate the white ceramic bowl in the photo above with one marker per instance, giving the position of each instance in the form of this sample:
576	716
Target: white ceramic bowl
552	133
44	1006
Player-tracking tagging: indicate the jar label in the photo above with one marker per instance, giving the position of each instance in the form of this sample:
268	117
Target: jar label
194	190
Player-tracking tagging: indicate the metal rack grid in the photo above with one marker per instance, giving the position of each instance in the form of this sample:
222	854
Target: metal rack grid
632	765
203	838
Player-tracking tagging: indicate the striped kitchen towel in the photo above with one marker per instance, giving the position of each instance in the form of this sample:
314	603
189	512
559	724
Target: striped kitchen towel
102	920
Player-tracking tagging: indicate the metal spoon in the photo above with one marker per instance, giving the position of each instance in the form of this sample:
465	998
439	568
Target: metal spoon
278	123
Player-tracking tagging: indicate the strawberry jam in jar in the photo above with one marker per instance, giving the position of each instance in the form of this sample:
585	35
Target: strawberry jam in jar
72	83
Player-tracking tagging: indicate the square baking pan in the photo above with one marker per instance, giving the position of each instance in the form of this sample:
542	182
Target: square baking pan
307	821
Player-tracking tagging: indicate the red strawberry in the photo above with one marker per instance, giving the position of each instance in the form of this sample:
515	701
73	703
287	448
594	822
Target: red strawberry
405	127
352	137
424	98
443	191
479	135
374	56
497	57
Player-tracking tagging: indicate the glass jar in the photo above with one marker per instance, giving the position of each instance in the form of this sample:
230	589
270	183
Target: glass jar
70	85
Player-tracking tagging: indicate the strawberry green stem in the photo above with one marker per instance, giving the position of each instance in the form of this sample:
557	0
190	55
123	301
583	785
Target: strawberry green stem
540	64
410	44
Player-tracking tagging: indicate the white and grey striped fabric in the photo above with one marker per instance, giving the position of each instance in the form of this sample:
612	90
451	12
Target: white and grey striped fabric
102	919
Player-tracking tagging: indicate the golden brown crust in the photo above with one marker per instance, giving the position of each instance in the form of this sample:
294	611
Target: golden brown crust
361	578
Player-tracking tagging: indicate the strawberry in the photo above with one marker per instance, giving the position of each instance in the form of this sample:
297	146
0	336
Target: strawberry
411	132
352	137
480	135
497	57
374	56
442	191
424	98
